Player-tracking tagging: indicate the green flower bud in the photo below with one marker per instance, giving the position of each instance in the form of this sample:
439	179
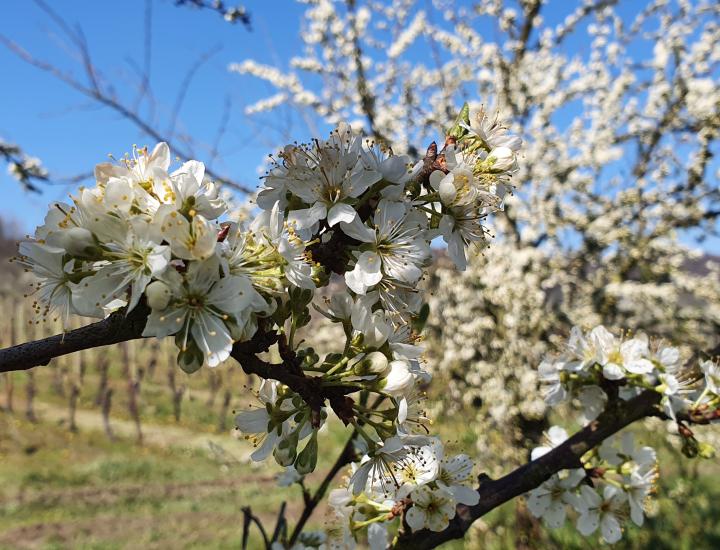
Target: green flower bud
627	468
705	450
300	298
690	447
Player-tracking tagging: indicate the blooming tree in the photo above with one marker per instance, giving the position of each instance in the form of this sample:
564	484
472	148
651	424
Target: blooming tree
589	212
148	249
617	104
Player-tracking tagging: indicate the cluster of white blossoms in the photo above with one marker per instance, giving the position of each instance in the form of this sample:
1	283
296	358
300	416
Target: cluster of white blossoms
603	228
146	236
617	477
409	474
378	213
614	483
599	359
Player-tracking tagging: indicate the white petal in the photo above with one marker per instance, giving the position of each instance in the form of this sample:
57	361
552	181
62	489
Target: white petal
266	448
588	522
555	514
435	178
447	190
416	518
465	495
358	230
341	212
610	528
307	217
254	421
612	371
377	537
164	323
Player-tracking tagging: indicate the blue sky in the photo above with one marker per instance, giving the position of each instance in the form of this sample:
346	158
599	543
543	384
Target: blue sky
71	134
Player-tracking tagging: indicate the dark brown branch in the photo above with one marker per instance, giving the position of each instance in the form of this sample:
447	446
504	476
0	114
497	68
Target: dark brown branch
493	493
116	328
309	388
346	456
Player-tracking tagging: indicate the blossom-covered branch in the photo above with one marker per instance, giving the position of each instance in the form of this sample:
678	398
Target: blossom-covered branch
149	247
28	170
566	456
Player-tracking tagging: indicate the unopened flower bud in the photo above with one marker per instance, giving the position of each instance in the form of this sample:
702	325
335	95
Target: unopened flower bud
705	450
627	468
502	158
374	362
400	379
690	447
158	295
77	240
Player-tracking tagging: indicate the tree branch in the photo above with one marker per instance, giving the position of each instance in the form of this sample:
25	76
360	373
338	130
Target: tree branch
345	457
493	493
367	99
121	327
117	327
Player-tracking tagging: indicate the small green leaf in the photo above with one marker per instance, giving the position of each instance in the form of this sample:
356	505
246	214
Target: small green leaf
456	130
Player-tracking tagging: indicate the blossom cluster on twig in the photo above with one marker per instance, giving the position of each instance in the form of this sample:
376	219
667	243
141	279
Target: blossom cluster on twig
148	234
596	369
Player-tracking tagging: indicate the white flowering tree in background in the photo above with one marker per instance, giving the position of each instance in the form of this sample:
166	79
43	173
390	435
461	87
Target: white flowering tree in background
617	103
591	178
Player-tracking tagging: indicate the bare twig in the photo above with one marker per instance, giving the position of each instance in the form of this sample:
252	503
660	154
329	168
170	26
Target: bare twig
345	457
147	56
367	99
229	13
222	128
106	97
248	519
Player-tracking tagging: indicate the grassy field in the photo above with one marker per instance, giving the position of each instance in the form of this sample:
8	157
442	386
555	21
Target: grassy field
80	490
186	485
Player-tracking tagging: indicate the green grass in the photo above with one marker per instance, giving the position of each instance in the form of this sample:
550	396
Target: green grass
61	490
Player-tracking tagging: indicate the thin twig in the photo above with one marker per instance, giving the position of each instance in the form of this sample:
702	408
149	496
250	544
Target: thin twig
147	59
345	457
106	98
